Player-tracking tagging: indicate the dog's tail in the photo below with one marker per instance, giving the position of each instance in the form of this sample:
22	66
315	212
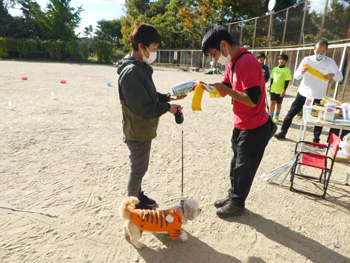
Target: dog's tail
128	204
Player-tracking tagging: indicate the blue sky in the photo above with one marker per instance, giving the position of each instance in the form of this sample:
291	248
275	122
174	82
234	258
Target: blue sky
94	10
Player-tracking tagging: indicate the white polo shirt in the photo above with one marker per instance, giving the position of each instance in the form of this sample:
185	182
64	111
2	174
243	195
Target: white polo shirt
312	86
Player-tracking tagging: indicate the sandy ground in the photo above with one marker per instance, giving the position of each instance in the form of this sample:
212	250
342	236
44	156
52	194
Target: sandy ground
64	154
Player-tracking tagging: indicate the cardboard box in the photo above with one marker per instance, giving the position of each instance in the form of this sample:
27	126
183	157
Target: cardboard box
315	109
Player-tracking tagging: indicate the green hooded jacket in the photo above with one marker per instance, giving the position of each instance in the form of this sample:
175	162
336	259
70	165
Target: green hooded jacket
141	104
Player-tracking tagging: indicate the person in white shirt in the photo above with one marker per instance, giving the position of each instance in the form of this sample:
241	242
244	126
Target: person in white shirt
312	85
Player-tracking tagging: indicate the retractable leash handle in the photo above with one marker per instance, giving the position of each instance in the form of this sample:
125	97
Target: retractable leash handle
179	117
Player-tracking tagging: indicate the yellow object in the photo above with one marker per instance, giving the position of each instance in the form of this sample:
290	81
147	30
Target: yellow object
198	94
197	98
315	72
213	92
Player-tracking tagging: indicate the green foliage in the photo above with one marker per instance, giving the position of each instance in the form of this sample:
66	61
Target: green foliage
5	19
109	30
104	51
88	30
3	48
85	50
59	19
119	54
55	49
7	45
73	48
25	47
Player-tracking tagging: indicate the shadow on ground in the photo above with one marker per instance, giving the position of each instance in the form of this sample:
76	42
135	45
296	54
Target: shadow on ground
305	246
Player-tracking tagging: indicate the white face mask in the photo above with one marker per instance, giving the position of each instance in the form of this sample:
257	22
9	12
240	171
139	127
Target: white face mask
320	57
152	57
224	60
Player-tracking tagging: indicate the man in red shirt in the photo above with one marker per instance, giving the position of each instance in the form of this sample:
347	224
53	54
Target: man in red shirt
244	82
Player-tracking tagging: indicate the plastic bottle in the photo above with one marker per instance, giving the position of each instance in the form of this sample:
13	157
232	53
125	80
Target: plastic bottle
306	113
183	88
345	107
329	112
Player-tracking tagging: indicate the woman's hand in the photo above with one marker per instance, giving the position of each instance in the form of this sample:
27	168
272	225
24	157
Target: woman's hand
173	97
173	108
194	87
222	88
303	70
329	75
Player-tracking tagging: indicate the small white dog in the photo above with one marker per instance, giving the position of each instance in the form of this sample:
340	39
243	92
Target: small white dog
345	145
162	221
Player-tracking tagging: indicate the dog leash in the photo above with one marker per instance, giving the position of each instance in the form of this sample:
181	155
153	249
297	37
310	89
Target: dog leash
182	162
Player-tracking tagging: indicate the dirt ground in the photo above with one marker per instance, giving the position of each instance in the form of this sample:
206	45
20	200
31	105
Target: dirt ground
61	151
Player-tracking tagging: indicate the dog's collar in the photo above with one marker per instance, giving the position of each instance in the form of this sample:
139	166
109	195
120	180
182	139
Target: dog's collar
182	203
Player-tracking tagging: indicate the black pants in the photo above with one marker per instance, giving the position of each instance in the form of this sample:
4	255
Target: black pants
248	149
296	107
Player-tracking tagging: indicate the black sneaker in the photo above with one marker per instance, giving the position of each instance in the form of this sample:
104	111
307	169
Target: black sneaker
145	200
280	135
229	210
221	202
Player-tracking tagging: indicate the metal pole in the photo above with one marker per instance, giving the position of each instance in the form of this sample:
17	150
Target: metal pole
240	36
256	20
340	68
323	19
269	31
203	62
169	57
191	58
348	34
229	28
295	66
345	81
285	27
303	23
180	53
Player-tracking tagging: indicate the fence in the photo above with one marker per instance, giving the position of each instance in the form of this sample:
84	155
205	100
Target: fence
339	52
301	24
293	31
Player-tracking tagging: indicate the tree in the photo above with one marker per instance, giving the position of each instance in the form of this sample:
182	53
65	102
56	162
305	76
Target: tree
27	25
88	31
5	19
109	30
198	17
59	20
134	8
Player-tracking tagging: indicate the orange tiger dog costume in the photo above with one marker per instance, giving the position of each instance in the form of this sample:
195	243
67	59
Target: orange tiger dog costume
158	221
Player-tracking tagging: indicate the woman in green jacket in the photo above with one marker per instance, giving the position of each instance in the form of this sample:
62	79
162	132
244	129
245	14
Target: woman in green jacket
142	105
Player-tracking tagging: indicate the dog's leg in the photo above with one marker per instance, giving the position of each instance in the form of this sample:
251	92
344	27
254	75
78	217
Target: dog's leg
183	236
134	232
126	230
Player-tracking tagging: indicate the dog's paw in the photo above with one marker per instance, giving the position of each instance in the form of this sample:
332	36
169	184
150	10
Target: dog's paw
184	236
139	245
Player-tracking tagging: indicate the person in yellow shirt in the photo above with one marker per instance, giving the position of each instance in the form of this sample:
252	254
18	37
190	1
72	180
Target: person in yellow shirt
280	77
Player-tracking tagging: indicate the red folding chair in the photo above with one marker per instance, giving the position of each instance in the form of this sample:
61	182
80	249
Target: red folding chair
315	160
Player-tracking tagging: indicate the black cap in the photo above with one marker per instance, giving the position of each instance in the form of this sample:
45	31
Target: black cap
261	55
283	56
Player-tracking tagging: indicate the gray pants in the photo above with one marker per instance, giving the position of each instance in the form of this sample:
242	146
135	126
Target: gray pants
139	160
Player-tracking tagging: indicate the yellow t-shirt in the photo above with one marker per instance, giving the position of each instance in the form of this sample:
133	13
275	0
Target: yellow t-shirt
279	76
